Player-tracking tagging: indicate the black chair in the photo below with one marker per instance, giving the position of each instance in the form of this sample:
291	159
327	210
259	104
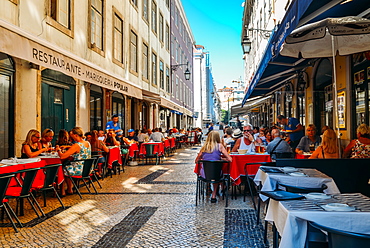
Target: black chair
96	168
213	174
149	152
50	175
4	183
24	191
343	239
279	155
295	189
86	175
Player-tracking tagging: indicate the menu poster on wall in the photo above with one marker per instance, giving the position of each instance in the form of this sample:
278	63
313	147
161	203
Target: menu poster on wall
341	110
359	77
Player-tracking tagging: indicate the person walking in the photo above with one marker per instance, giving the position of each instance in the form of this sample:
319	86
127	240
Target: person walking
293	128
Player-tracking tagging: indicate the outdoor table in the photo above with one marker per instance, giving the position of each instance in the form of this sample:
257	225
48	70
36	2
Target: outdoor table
302	156
313	179
239	161
158	148
290	217
113	156
132	149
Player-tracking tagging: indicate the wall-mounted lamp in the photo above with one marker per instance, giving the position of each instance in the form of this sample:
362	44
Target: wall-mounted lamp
246	45
302	81
187	72
289	92
34	66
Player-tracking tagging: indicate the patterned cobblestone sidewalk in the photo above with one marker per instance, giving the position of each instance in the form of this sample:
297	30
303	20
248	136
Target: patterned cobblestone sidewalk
147	206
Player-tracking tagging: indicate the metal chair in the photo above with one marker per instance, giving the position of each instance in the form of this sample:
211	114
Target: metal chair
213	173
343	239
50	175
24	190
86	175
150	152
4	183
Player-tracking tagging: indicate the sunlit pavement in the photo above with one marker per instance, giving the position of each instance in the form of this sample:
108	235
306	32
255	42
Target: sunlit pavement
146	206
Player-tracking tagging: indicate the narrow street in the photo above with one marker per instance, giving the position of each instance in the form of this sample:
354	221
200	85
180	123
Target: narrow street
146	206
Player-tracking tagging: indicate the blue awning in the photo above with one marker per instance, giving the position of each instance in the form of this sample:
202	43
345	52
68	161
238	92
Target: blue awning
275	69
176	112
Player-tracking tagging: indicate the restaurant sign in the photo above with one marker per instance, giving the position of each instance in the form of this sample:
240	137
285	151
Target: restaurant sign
35	50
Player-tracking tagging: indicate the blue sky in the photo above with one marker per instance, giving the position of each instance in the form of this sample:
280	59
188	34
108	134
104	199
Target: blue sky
216	25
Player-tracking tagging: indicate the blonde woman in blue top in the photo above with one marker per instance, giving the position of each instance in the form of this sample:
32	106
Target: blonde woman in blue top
78	151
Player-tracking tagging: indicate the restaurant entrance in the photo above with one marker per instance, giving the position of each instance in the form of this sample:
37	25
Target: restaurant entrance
58	102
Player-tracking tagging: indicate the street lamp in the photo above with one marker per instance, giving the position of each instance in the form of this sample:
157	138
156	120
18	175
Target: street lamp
246	45
187	72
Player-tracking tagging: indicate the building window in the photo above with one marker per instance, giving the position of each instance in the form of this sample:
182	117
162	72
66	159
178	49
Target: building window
177	88
96	31
161	74
154	69
168	79
145	62
167	37
154	17
60	11
145	10
161	35
134	2
118	39
168	3
133	51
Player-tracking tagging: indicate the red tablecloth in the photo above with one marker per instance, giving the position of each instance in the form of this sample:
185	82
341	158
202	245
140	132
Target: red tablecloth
302	156
238	164
60	174
167	143
158	148
132	149
17	167
114	155
172	142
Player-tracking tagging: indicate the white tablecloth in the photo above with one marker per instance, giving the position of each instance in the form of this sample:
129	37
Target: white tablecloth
315	179
292	224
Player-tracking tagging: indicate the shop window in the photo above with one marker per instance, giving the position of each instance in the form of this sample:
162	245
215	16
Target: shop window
118	39
96	25
96	111
118	108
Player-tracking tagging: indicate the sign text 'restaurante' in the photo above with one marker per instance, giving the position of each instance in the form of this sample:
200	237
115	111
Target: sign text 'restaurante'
75	69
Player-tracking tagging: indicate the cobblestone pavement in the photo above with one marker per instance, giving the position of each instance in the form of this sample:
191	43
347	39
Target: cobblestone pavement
146	206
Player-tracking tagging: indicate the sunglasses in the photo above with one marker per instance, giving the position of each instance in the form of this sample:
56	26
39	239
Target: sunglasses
245	131
38	137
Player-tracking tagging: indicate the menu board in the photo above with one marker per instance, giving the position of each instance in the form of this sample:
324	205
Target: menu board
341	110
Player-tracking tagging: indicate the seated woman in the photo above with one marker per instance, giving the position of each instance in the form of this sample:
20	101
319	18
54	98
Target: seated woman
98	146
329	147
310	140
78	151
212	150
46	137
360	147
63	139
268	136
32	147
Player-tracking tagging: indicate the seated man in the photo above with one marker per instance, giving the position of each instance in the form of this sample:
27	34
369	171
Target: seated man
156	136
247	141
277	145
131	137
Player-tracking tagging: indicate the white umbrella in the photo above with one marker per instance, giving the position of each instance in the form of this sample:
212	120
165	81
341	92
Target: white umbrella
326	38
